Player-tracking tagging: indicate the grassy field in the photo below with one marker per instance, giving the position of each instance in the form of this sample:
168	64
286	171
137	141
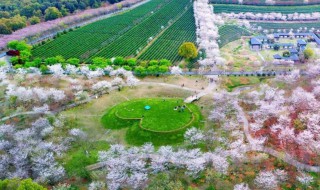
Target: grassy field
229	8
159	125
121	35
161	117
229	33
167	45
239	56
87	117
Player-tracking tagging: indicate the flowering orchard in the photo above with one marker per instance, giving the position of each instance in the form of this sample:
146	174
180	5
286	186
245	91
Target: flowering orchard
207	33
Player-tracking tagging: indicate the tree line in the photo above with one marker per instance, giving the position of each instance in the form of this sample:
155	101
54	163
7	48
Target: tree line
16	14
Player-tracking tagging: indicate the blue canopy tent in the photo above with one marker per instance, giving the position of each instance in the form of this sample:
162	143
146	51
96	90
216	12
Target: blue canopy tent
147	107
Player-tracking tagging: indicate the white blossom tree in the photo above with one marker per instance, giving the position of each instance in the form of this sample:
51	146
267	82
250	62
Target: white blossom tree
266	180
193	136
304	178
175	70
241	186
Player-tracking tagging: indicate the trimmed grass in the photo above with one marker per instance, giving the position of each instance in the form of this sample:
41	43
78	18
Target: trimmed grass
163	124
161	117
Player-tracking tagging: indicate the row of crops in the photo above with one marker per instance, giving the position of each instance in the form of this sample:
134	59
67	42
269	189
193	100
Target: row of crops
136	39
229	8
87	40
167	45
122	35
229	33
287	26
263	2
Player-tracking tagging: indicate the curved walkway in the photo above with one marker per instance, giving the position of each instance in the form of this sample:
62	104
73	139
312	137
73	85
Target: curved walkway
24	113
167	85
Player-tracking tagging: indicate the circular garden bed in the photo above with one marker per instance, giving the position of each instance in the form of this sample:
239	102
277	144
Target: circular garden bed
156	120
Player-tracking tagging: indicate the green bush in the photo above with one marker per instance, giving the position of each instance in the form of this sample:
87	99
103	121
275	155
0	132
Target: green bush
73	61
18	184
119	61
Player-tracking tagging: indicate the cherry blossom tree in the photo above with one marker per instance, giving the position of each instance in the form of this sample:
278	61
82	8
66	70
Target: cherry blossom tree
176	70
56	70
26	94
304	178
266	180
193	136
101	86
42	109
130	167
132	81
97	185
207	32
241	186
29	152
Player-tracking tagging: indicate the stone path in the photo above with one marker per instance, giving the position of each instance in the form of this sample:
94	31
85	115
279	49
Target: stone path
210	88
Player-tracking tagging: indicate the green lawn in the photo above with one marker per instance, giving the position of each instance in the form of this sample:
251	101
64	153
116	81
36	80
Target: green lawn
161	117
160	125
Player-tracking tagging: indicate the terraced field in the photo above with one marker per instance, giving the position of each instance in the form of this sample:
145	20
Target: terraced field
167	45
229	33
228	8
121	35
288	26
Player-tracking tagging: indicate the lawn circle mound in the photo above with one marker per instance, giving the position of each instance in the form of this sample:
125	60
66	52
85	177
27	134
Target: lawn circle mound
157	120
157	115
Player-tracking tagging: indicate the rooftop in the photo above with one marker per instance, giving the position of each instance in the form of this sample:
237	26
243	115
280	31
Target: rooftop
277	56
302	42
293	50
255	41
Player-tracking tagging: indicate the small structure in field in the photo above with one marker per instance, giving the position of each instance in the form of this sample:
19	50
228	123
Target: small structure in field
147	107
